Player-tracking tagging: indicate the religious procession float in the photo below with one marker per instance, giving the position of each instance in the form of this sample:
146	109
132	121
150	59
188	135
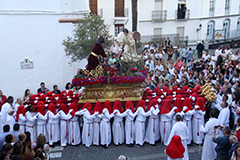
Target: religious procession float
108	83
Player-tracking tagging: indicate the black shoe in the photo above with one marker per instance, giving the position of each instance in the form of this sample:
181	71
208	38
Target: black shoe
130	145
153	144
52	146
105	146
138	145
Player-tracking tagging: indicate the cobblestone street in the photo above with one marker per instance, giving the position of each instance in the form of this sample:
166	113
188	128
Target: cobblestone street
147	152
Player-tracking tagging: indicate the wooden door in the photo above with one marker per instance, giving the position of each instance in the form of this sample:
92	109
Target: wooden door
119	8
93	6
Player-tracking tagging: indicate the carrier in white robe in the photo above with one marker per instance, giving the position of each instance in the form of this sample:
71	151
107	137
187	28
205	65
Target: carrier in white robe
187	119
5	107
87	132
96	130
30	125
74	137
64	124
129	126
22	122
140	125
223	116
105	127
41	125
208	150
180	129
152	131
53	127
118	127
196	123
166	125
11	121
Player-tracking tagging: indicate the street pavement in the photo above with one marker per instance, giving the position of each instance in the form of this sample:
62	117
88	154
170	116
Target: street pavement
147	152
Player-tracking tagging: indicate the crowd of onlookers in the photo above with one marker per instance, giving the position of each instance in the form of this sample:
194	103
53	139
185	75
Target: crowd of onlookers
182	70
18	146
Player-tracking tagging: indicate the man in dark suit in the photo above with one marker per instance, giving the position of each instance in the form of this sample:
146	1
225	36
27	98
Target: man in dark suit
56	90
200	49
42	89
180	11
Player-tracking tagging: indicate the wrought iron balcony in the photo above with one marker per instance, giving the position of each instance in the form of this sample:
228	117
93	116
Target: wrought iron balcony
121	12
159	15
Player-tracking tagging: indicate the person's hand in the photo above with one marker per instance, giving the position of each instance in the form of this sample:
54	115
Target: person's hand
220	127
232	132
215	129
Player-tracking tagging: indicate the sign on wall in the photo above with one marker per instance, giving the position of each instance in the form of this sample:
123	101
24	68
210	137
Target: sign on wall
26	64
219	34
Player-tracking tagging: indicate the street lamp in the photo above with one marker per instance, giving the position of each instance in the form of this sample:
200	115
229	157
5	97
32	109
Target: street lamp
200	27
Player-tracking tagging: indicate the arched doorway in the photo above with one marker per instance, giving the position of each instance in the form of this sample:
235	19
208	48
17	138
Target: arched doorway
226	27
210	29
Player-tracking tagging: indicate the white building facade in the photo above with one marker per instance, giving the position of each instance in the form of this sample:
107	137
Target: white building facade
160	17
35	30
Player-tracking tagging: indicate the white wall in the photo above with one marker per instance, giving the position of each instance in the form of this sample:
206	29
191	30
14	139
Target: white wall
37	36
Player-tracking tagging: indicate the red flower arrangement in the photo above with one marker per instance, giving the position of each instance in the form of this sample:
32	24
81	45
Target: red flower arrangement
133	69
113	79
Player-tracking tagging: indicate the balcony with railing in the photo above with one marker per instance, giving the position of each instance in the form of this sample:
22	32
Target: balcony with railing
159	15
121	12
121	16
182	15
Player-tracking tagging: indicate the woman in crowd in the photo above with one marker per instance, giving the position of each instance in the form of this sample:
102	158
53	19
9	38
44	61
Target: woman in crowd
235	58
178	51
27	152
170	51
41	139
27	95
236	153
8	148
159	66
17	150
4	155
146	46
68	87
144	56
